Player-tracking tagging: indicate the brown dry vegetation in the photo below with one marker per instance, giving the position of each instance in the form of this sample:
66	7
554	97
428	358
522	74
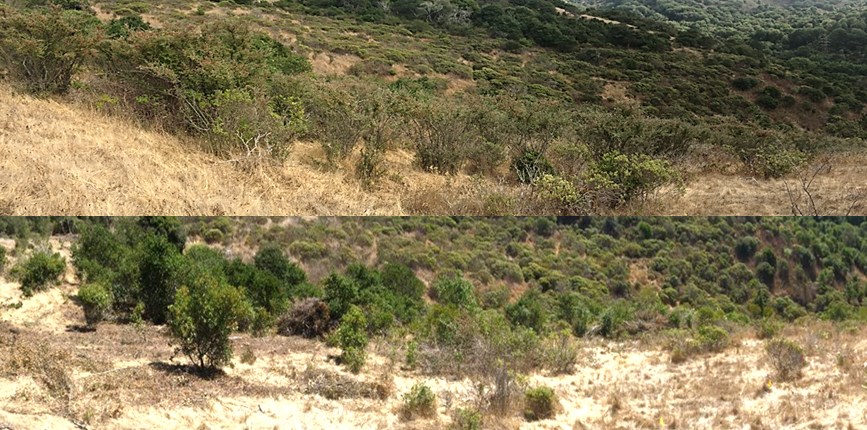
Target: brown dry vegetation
59	158
126	377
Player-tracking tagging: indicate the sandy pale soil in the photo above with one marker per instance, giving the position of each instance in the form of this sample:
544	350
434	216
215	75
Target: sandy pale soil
54	375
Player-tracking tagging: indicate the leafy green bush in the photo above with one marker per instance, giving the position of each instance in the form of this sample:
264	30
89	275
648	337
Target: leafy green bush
351	337
712	338
46	47
767	328
39	271
540	403
201	319
2	258
787	358
530	311
160	271
746	247
466	419
531	166
454	290
126	25
213	236
420	401
745	83
221	82
96	300
620	178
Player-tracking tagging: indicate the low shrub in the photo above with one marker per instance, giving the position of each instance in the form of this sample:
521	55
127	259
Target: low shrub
745	83
213	236
441	131
39	271
561	353
420	401
2	258
768	328
787	358
712	338
351	337
620	178
530	166
466	419
201	319
96	300
454	290
540	403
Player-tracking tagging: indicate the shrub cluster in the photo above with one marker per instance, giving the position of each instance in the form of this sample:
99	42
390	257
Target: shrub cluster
39	271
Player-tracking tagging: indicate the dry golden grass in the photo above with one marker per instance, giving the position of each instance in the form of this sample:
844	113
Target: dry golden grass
65	159
57	159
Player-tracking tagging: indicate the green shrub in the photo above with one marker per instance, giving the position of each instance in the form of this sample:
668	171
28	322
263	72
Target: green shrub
420	401
454	290
787	358
96	300
39	271
273	260
560	353
201	319
305	251
745	83
340	293
540	403
2	258
160	269
45	47
411	354
767	328
351	337
561	195
712	338
124	26
466	419
620	178
530	311
213	236
221	82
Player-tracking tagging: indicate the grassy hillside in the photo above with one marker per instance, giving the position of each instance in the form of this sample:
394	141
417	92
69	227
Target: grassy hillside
591	115
108	166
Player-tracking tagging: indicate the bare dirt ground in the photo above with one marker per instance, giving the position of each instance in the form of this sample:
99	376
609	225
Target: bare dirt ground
54	375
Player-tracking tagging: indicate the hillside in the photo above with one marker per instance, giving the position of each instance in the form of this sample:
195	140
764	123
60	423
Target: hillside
60	158
677	346
466	107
